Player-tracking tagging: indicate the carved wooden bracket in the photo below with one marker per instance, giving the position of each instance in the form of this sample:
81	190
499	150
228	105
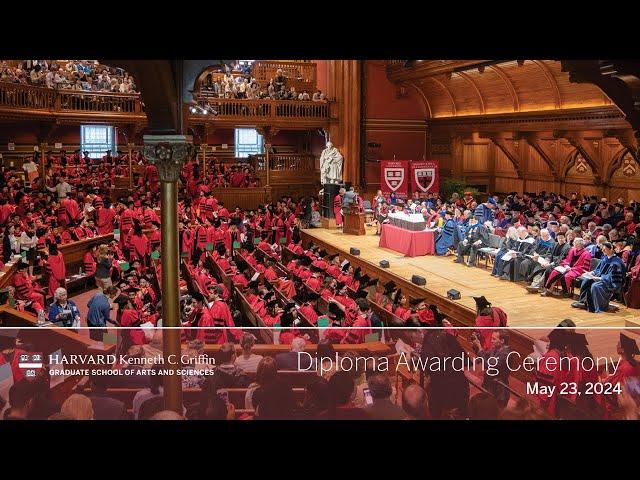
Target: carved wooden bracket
509	150
627	139
533	139
586	149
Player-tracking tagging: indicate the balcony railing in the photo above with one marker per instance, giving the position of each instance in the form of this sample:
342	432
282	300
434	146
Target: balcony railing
233	109
263	70
285	162
28	97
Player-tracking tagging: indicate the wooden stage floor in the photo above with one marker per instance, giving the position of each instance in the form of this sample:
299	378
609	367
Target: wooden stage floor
524	309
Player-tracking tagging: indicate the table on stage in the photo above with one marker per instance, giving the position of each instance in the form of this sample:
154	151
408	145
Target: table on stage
412	244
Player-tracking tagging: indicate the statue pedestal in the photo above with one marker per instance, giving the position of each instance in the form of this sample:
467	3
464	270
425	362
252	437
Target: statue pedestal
328	222
330	192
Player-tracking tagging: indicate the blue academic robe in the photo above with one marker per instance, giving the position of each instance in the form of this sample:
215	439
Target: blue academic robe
446	238
597	294
483	213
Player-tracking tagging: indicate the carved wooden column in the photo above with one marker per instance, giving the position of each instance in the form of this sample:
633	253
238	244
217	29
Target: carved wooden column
43	182
130	147
169	153
203	149
344	84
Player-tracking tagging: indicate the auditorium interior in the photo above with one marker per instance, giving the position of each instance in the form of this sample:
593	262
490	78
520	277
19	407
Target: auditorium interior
233	213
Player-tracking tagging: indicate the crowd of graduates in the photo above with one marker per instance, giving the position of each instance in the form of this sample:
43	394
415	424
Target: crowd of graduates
236	261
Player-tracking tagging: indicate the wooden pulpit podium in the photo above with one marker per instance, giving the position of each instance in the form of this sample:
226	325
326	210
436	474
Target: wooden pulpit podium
353	221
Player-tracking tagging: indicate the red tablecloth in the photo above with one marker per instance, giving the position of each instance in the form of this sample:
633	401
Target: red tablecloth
412	244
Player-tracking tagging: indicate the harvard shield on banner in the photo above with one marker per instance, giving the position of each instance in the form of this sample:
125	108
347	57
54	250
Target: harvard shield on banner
394	178
424	178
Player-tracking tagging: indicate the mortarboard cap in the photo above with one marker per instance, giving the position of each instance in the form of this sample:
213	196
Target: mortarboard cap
416	301
559	337
578	340
345	266
389	287
481	302
198	297
272	304
9	332
629	345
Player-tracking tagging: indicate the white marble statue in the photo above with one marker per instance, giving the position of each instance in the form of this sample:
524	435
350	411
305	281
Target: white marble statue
331	165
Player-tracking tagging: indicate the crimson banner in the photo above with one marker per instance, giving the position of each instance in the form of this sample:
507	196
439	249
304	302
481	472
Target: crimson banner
394	178
424	177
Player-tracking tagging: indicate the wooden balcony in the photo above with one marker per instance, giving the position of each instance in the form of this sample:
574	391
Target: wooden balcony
26	101
288	162
285	114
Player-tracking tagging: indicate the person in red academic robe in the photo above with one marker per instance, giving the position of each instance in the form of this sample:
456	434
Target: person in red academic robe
401	309
73	210
488	316
627	348
139	245
89	261
240	279
632	296
6	209
188	243
334	269
222	211
270	274
62	214
149	216
104	220
576	263
272	314
337	207
205	279
220	312
55	269
77	233
65	236
314	282
286	287
549	373
131	318
127	216
308	308
362	328
25	288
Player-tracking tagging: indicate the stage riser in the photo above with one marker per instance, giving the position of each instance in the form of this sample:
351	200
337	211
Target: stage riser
457	314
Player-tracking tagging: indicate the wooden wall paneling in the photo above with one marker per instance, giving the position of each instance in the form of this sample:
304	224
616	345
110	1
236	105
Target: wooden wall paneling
531	86
535	162
503	165
475	157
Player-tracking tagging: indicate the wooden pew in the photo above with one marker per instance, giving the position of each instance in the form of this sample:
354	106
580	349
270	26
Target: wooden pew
376	349
264	333
47	340
74	252
192	286
190	396
7	273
